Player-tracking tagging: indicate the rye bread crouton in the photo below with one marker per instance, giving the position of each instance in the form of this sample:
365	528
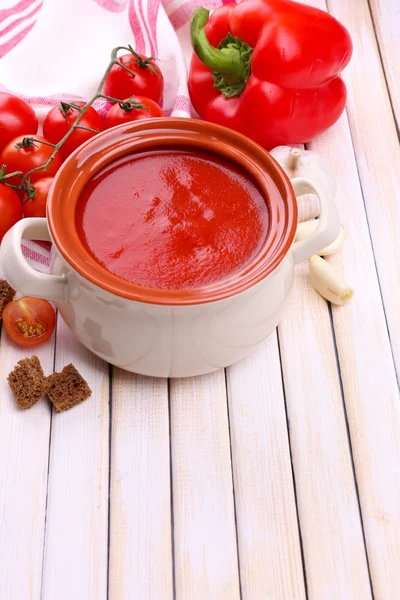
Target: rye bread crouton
67	389
7	294
27	382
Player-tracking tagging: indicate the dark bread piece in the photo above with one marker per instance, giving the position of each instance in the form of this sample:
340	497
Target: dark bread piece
6	295
67	389
27	382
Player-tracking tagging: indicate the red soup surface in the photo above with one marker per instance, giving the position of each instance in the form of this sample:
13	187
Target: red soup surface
172	219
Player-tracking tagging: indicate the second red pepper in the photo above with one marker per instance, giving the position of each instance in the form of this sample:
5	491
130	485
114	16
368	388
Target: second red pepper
269	69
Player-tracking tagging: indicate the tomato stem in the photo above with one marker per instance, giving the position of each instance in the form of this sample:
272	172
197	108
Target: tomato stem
127	105
27	142
30	193
65	107
4	177
88	129
31	141
142	64
109	98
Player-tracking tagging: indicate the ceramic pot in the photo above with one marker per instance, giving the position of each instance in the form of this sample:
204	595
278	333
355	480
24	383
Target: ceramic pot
167	333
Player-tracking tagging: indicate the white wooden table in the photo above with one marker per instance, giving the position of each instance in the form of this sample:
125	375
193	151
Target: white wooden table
279	478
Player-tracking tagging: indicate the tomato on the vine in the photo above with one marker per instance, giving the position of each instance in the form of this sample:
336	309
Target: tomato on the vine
29	321
24	153
10	209
135	108
17	117
59	121
145	78
36	206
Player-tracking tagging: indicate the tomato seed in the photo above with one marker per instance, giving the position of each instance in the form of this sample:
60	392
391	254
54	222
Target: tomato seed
26	330
21	325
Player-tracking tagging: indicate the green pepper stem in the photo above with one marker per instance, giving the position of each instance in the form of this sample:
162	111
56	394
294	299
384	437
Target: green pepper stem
225	61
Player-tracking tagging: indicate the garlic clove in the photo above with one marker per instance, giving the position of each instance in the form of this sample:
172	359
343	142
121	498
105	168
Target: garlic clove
336	245
307	227
327	282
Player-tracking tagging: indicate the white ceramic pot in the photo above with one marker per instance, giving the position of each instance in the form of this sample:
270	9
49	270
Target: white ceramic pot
186	336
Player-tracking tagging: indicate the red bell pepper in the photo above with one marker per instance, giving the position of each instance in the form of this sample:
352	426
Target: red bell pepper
269	69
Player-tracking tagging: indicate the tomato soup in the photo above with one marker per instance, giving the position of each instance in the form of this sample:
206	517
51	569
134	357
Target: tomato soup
172	220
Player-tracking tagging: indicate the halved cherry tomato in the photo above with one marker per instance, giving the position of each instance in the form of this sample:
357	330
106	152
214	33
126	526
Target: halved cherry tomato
36	207
59	121
135	108
10	209
145	78
17	117
29	321
27	156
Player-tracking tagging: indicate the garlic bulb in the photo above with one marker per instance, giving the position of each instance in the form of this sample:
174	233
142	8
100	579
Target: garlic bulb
327	282
297	162
304	229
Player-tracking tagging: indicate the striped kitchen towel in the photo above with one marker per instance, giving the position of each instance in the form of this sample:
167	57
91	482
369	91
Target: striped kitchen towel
52	50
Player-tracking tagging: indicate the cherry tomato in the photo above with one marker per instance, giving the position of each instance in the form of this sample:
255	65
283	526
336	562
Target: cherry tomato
146	78
16	118
29	321
135	108
10	209
36	207
28	156
59	121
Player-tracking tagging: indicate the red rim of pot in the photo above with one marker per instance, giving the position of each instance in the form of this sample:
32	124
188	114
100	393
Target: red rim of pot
153	134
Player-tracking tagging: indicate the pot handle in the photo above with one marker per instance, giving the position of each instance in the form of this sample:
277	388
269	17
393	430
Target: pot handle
329	223
18	273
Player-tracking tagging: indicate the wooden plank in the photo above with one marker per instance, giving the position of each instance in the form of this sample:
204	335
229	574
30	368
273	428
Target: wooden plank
268	535
386	17
335	560
333	544
203	505
75	558
334	552
377	151
140	509
369	382
368	374
311	376
24	451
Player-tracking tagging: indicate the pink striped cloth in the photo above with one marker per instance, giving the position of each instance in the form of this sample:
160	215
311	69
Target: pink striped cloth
52	50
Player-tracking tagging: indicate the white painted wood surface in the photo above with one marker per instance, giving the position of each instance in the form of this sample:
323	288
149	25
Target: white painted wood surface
140	508
269	544
77	501
386	16
206	562
334	552
372	401
280	485
24	450
368	375
376	146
